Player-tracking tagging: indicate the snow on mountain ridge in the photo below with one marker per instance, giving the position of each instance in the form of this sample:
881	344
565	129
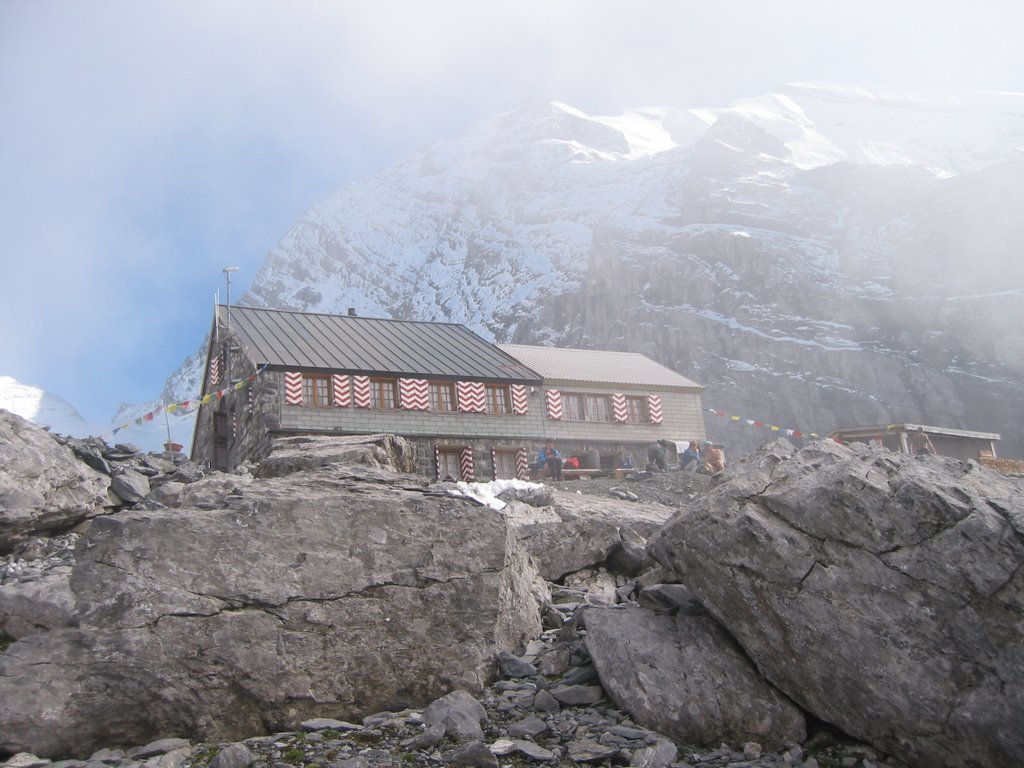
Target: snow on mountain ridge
42	408
441	219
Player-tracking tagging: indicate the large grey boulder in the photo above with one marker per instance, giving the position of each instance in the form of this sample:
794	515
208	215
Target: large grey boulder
43	487
313	595
37	605
883	593
570	532
684	677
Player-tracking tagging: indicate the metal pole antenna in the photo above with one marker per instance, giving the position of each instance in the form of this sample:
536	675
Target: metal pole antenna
227	296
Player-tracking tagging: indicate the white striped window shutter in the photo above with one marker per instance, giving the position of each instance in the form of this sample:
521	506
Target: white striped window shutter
341	386
619	407
553	398
413	394
292	388
655	410
361	391
214	378
468	472
522	464
520	403
471	395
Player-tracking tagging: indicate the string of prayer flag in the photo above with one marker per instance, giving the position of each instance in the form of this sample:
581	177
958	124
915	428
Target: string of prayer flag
761	424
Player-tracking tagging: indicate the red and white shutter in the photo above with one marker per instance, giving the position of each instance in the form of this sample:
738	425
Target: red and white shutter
654	408
292	388
341	387
553	399
214	378
522	464
520	403
471	396
413	394
494	463
466	464
361	389
437	462
619	407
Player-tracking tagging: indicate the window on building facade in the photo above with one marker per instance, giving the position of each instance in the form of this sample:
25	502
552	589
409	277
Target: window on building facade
316	389
449	465
442	396
584	407
383	393
636	409
599	408
498	399
572	407
505	465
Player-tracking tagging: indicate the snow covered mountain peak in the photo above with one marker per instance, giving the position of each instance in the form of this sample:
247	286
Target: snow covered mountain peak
42	408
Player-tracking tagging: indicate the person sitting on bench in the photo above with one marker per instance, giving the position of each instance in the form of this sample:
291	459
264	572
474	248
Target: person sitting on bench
549	460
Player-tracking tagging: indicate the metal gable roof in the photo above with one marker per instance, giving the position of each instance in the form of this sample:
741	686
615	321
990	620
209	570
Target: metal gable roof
306	340
596	367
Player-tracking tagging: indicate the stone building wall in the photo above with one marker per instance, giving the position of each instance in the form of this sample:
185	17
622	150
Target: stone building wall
252	423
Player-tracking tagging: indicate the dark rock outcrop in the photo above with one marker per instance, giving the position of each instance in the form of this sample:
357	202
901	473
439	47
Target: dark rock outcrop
882	593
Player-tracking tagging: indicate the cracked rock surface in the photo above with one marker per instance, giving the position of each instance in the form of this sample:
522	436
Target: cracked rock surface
881	592
311	595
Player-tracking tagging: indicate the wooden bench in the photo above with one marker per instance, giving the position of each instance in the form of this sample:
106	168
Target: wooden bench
576	474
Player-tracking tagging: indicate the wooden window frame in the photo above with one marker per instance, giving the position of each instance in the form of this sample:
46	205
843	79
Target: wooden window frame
381	391
508	459
498	398
445	457
442	393
317	389
636	409
605	412
580	406
573	406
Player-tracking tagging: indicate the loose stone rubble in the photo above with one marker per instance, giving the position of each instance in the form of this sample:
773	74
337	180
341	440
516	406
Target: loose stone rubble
525	717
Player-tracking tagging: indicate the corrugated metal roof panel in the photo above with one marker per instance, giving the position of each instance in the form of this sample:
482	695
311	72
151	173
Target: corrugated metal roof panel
596	367
372	346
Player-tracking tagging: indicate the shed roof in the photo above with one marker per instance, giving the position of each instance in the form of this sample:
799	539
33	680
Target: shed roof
371	346
880	429
588	366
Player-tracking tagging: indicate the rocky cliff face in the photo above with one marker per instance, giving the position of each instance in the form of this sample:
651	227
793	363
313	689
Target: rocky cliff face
816	258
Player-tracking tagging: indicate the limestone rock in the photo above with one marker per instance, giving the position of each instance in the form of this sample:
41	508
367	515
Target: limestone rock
578	531
43	487
459	713
167	493
682	676
43	603
233	756
389	454
881	592
130	485
318	596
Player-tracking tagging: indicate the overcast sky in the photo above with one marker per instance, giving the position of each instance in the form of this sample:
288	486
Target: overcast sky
144	146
